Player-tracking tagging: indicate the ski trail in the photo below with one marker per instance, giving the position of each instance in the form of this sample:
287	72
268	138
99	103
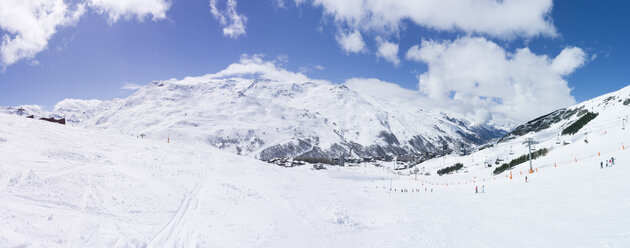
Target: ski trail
77	224
178	231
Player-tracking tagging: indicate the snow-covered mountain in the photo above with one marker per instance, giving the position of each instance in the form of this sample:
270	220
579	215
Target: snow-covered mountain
612	109
68	186
25	110
77	110
567	132
266	119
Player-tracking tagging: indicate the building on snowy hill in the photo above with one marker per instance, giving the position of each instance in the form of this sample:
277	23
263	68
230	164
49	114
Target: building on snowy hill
410	158
31	112
340	161
61	121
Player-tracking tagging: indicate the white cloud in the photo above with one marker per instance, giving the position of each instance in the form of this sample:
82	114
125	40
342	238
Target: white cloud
413	53
282	59
130	86
388	51
489	84
232	22
29	25
256	67
309	68
279	4
127	9
351	42
390	92
568	60
502	19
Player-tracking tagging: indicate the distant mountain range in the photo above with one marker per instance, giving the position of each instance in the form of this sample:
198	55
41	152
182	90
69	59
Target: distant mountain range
267	119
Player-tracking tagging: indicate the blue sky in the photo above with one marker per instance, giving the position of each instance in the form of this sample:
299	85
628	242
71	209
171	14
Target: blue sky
94	56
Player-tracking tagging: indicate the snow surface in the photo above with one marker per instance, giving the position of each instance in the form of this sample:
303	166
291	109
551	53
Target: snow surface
69	186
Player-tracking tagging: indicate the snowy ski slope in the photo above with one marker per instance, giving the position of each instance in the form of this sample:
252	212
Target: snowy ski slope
604	135
67	186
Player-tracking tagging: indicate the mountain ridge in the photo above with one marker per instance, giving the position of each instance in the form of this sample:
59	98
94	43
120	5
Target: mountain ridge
267	119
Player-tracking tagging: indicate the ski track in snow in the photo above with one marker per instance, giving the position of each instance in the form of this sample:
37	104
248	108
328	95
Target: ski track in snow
180	230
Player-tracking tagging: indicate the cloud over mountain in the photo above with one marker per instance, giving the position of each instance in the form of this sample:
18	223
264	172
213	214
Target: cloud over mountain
492	84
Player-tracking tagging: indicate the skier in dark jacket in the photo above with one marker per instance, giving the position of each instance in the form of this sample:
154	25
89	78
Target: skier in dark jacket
601	164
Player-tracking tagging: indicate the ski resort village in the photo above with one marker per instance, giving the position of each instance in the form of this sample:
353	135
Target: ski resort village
314	123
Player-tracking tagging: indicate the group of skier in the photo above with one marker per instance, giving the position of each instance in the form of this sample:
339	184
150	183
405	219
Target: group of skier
483	189
609	162
405	190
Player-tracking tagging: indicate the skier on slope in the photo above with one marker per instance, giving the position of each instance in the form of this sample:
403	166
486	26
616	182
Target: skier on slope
612	160
483	188
601	164
476	191
525	178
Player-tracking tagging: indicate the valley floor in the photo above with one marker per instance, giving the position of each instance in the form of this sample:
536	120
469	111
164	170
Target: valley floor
64	186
